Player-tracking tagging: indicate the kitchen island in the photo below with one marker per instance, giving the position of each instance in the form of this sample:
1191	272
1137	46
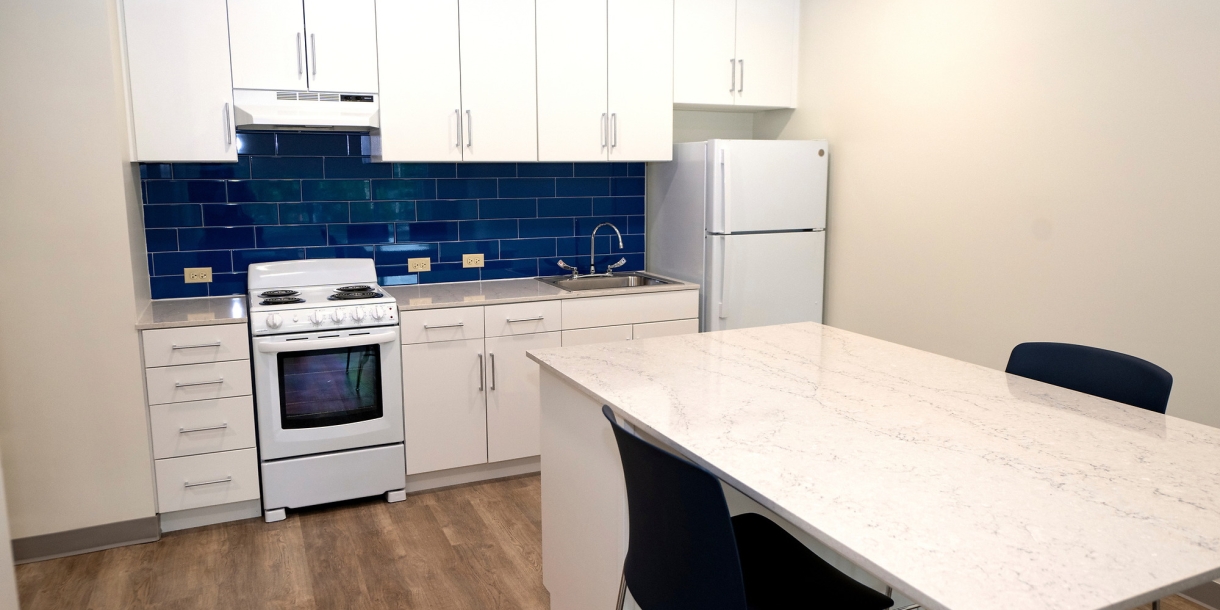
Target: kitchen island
960	486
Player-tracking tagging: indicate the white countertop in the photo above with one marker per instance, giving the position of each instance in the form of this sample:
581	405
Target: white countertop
961	486
499	292
199	311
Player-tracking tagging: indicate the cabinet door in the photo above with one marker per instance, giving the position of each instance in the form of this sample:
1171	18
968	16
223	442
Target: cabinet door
420	81
444	408
341	45
267	39
572	119
513	399
499	98
181	84
704	33
767	40
600	334
641	77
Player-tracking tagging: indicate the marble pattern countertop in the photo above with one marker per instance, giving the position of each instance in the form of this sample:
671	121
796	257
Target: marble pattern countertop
202	311
961	486
499	292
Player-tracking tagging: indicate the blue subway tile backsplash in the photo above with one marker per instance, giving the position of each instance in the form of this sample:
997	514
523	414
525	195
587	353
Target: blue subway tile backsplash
310	195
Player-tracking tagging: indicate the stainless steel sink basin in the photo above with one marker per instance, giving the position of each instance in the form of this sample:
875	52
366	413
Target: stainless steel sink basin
630	279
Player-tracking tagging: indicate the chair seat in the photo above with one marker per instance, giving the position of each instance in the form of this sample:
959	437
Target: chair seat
780	573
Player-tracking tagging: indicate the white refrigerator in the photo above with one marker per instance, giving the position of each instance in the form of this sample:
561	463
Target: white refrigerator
746	220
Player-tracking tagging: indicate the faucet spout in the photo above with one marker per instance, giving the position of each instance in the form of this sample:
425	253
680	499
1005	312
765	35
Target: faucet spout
593	245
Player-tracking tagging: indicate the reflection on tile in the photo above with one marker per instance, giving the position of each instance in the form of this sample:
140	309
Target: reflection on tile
447	209
216	238
398	254
312	144
508	208
340	252
175	287
527	248
241	169
404	189
565	206
382	211
368	233
487	170
256	143
504	269
527	187
547	227
286	167
488	229
234	214
466	188
226	284
451	252
449	272
313	212
357	167
425	170
396	275
544	170
428	231
291	235
334	190
185	191
578	187
606	206
242	259
264	190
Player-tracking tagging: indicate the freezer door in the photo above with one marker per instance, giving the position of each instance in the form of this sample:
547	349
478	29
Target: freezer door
767	185
763	279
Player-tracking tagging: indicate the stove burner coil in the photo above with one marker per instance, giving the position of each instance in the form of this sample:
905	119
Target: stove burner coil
355	288
350	296
279	293
282	300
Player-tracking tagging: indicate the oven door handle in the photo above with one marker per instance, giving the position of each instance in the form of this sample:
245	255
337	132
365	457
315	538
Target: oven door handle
275	347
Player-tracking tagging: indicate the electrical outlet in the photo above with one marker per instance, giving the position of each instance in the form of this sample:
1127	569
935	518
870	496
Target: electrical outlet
198	275
472	260
416	265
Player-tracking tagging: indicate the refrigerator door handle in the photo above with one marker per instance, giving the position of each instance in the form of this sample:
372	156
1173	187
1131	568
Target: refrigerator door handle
723	314
726	207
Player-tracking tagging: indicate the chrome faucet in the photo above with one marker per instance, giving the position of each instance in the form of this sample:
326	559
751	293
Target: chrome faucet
593	258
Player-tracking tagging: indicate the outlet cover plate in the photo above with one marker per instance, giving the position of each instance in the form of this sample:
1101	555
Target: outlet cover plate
416	265
472	260
198	275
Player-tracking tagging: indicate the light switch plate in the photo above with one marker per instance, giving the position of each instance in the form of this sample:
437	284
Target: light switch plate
472	260
198	275
416	265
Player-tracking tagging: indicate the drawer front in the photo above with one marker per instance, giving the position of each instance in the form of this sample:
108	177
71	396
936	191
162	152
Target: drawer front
453	324
206	480
522	318
665	329
630	309
197	344
198	381
601	334
202	426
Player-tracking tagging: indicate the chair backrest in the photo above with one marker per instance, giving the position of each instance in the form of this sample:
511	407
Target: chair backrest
1099	372
681	553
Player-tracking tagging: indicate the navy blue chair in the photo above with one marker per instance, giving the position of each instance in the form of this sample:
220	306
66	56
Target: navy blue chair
1099	372
686	553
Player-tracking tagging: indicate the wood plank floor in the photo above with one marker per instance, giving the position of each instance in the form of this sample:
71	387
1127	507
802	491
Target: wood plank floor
476	547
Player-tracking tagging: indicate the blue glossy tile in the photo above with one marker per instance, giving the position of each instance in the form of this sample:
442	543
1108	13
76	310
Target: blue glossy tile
311	144
185	191
451	252
425	170
172	263
505	269
565	206
161	240
177	215
594	170
382	211
396	275
550	266
546	227
404	189
286	167
156	171
235	214
398	254
175	287
633	243
508	208
150	265
216	238
367	233
527	187
487	170
185	171
359	144
314	212
635	224
605	206
357	167
635	169
488	229
255	143
527	248
619	169
334	190
242	259
582	187
427	231
466	188
579	246
447	209
263	190
449	272
340	252
585	226
544	170
290	235
224	284
627	187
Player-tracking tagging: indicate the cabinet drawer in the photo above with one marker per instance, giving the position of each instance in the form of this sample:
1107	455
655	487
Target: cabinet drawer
198	381
429	325
207	480
202	426
602	334
630	309
665	329
522	318
197	344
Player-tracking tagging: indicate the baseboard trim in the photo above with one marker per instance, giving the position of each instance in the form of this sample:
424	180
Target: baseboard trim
86	540
472	474
1206	594
210	515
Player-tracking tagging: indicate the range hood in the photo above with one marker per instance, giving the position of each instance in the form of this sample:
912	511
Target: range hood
305	109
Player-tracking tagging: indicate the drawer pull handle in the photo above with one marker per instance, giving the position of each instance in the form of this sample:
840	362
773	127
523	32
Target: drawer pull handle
179	384
189	430
216	344
187	484
430	327
534	319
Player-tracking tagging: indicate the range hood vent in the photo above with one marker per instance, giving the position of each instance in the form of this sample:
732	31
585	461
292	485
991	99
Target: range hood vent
305	109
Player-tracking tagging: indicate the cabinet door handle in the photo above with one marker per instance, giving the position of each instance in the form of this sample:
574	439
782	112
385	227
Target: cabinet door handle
533	319
469	130
313	51
604	130
300	58
741	81
204	428
457	119
613	129
733	75
212	482
228	127
493	371
197	345
179	384
480	372
456	325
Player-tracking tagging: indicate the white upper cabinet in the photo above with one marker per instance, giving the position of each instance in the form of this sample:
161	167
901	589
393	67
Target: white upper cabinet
267	39
767	39
573	118
499	94
180	80
641	80
341	45
736	53
705	62
420	81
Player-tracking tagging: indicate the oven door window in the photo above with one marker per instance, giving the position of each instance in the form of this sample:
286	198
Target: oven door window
330	387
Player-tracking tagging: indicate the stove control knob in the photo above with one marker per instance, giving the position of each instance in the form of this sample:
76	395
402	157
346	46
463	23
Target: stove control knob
339	316
316	317
274	320
358	314
377	313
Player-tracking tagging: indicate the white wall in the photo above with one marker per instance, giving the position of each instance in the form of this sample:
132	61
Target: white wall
699	125
1022	170
72	419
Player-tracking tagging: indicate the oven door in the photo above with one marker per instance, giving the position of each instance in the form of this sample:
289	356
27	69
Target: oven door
328	391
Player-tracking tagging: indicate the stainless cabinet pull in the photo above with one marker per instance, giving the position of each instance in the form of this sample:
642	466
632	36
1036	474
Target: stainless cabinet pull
204	428
457	115
604	130
212	482
741	82
197	345
512	320
493	371
300	58
179	384
428	327
469	130
613	129
480	372
313	52
228	127
733	73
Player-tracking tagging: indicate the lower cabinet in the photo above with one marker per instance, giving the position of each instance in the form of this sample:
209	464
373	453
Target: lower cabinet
444	393
600	334
513	398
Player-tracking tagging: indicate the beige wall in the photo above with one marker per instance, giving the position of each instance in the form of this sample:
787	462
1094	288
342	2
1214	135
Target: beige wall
72	424
1022	170
699	125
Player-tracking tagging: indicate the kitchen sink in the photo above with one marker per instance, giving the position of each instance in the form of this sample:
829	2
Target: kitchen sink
629	279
